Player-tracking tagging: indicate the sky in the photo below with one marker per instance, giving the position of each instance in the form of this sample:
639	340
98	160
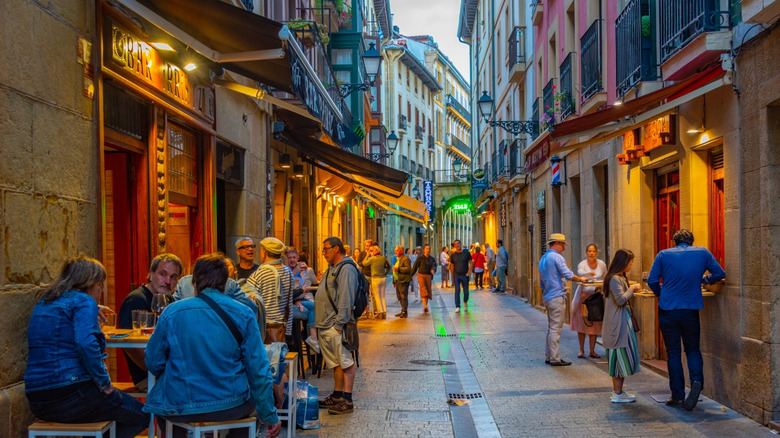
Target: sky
438	18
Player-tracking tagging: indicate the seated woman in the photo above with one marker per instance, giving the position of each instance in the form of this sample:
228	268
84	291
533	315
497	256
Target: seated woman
205	370
66	380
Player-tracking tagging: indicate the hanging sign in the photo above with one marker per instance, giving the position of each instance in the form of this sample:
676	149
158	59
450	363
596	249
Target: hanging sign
503	215
428	197
538	155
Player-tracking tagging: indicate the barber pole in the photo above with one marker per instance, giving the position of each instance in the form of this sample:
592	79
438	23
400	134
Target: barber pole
556	173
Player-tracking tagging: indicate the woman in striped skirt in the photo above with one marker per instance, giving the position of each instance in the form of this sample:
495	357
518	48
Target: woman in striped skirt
618	333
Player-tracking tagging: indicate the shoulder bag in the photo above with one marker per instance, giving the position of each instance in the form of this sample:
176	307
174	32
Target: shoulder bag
595	306
634	322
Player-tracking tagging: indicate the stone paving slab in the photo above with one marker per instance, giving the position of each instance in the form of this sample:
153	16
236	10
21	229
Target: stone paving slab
503	341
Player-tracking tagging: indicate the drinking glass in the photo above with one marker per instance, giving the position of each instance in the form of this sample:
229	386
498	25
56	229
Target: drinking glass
111	320
147	323
159	302
137	314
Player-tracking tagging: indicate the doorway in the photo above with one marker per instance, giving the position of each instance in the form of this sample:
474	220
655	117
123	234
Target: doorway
667	207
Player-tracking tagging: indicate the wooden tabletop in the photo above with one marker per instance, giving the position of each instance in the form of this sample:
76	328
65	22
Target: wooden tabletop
132	340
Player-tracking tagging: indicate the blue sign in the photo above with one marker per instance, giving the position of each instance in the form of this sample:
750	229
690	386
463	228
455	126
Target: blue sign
428	197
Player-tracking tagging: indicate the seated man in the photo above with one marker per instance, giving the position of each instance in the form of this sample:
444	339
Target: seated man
164	274
191	384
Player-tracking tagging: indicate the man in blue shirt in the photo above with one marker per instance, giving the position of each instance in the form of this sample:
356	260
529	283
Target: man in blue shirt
682	271
552	267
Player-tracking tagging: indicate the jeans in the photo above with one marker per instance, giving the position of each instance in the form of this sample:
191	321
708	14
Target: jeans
556	308
307	314
501	274
89	405
378	285
461	281
247	409
402	293
490	267
478	279
676	325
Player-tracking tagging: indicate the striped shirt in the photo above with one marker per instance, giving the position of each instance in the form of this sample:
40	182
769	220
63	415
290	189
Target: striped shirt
263	279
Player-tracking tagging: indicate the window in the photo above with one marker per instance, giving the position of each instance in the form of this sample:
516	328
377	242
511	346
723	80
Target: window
717	208
341	56
183	164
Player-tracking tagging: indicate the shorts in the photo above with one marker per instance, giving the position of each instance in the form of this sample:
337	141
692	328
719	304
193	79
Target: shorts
333	350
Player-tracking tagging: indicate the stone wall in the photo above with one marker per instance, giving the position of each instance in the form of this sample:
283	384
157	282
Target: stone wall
758	81
49	163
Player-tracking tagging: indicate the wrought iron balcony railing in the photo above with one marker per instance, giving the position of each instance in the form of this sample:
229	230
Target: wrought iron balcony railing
634	46
566	97
590	61
682	21
403	125
419	133
548	99
517	46
453	103
460	145
431	142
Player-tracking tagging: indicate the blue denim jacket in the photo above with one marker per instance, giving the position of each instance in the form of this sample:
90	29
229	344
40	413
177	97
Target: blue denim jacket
65	343
199	365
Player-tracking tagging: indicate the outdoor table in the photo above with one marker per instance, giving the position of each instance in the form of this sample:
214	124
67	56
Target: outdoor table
133	340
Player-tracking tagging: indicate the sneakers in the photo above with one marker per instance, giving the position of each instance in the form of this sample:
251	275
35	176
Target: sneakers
457	310
623	397
402	315
314	344
330	401
693	396
465	306
671	401
342	407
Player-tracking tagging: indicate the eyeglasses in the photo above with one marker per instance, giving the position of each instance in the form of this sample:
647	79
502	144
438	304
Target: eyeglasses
247	246
325	248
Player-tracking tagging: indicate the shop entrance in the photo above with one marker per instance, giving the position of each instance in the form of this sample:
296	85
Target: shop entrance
667	207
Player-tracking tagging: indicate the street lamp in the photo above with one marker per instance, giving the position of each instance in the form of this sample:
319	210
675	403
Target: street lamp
516	127
392	141
443	202
372	60
416	192
457	166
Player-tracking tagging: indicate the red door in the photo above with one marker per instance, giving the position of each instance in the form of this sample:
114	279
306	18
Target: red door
667	223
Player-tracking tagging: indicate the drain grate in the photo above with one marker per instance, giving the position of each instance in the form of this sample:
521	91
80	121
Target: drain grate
448	335
397	370
418	416
431	362
470	396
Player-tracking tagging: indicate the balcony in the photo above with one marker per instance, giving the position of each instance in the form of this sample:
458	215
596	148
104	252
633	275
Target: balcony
537	11
455	106
566	97
759	11
634	46
494	165
419	134
548	99
516	62
461	147
692	34
515	155
431	142
535	116
403	125
449	176
590	61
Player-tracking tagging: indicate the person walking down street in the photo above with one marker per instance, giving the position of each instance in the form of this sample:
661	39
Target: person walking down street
424	267
444	261
181	353
552	269
66	379
414	287
479	267
502	264
618	334
682	271
339	286
402	276
378	270
245	250
590	269
490	257
461	265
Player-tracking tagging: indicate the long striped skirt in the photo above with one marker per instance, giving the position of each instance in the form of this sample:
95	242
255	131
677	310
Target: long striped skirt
624	361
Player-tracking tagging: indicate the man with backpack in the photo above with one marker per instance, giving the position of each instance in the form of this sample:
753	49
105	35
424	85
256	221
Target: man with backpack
334	306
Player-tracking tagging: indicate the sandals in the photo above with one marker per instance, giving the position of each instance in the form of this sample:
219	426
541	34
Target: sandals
581	356
595	356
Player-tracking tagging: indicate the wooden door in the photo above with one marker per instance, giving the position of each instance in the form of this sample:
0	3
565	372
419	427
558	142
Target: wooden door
667	223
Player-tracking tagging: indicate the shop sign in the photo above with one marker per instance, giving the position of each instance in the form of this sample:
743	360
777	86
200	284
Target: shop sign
304	85
133	56
502	213
461	207
479	174
659	132
428	197
538	155
230	163
540	200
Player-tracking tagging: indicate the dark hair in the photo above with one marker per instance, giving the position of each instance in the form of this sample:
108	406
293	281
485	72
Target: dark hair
619	264
500	242
593	245
456	240
78	273
210	272
165	257
683	236
303	256
335	241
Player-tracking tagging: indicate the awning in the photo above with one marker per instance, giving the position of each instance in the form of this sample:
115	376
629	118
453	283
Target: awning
253	46
616	117
403	201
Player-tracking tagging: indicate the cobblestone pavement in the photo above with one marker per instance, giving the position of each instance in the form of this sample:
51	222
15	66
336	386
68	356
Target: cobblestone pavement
495	354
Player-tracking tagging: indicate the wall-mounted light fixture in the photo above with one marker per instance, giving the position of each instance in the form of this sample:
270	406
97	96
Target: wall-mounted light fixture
298	171
284	161
416	192
372	60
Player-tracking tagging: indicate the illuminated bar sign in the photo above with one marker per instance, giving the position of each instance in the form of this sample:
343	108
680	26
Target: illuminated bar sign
428	197
461	207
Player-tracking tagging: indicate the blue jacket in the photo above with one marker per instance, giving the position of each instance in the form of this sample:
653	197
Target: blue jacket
199	365
65	343
682	270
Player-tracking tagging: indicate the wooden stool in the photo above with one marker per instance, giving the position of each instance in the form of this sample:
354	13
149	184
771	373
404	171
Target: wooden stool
50	428
198	428
130	389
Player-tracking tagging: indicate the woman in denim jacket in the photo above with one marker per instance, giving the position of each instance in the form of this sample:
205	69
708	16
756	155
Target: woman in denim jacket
203	372
66	379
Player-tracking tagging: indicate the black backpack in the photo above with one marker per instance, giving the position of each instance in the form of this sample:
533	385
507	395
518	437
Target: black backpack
361	295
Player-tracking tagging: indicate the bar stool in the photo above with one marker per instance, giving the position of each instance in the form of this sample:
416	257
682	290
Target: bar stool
50	428
197	428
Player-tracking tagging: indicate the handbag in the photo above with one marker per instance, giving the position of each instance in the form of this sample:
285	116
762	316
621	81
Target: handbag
275	331
595	306
349	336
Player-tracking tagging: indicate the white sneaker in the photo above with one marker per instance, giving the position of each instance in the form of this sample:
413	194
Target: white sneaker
457	310
314	344
623	397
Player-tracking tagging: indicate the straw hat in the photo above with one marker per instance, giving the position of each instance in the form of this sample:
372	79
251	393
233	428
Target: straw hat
556	237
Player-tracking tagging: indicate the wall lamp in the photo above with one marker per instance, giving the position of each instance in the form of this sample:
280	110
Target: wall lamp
392	141
372	60
516	127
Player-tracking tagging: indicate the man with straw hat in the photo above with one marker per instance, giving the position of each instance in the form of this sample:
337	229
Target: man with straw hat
552	268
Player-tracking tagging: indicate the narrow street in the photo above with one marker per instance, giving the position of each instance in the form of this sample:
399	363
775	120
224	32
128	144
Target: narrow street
493	355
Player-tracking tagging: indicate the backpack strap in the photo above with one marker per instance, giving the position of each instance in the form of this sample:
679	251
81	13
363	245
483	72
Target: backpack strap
336	282
231	325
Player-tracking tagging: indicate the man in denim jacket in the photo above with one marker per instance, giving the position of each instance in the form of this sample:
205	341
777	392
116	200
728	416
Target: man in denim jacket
203	372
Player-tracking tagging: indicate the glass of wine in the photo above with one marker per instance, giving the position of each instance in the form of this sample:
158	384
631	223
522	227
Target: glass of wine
159	302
